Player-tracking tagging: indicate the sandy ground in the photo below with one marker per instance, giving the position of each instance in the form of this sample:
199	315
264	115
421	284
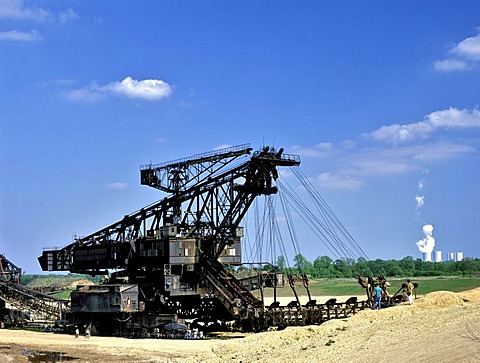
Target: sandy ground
438	327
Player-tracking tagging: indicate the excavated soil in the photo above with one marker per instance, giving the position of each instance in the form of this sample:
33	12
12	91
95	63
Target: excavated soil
438	327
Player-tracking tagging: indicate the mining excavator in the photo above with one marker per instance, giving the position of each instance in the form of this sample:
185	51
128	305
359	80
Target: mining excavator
172	261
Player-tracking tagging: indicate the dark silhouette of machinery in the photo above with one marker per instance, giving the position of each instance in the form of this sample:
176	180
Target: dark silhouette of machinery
171	258
16	299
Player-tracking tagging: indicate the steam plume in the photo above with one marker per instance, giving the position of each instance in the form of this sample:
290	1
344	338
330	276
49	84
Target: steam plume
427	244
420	199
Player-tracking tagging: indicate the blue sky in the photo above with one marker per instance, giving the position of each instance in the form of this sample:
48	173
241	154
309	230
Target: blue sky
380	100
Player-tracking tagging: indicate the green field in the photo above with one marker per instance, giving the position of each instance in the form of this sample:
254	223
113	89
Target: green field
62	295
350	287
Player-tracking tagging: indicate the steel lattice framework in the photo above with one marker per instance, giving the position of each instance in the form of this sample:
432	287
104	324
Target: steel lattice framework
209	195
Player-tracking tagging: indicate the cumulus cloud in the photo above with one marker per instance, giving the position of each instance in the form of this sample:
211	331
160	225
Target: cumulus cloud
20	36
444	119
462	56
468	48
454	118
400	133
148	89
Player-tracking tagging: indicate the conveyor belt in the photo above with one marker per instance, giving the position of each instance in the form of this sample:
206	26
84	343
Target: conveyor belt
232	294
42	305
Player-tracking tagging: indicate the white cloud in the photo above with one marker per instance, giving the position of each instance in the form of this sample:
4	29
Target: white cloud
450	65
454	118
319	150
426	153
379	162
117	185
400	133
444	119
440	151
67	15
89	94
468	48
337	181
15	9
149	89
351	170
20	36
463	56
350	165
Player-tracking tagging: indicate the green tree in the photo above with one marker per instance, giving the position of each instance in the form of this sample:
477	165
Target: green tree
302	265
392	268
467	266
377	267
323	267
361	267
281	263
419	267
408	266
342	269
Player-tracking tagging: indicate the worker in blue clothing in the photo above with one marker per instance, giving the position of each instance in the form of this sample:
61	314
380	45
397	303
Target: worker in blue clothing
377	296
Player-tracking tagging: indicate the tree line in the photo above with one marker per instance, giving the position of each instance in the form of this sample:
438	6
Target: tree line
326	267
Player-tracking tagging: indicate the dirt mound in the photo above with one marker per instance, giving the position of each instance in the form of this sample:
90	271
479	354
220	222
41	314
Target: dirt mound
439	299
437	314
74	284
471	295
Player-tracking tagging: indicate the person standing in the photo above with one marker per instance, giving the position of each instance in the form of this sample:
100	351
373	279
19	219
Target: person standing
409	291
377	297
386	294
77	332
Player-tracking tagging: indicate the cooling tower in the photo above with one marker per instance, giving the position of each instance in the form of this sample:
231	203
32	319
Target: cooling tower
427	257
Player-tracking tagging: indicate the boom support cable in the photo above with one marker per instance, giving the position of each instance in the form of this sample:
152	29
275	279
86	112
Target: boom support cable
319	218
323	206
